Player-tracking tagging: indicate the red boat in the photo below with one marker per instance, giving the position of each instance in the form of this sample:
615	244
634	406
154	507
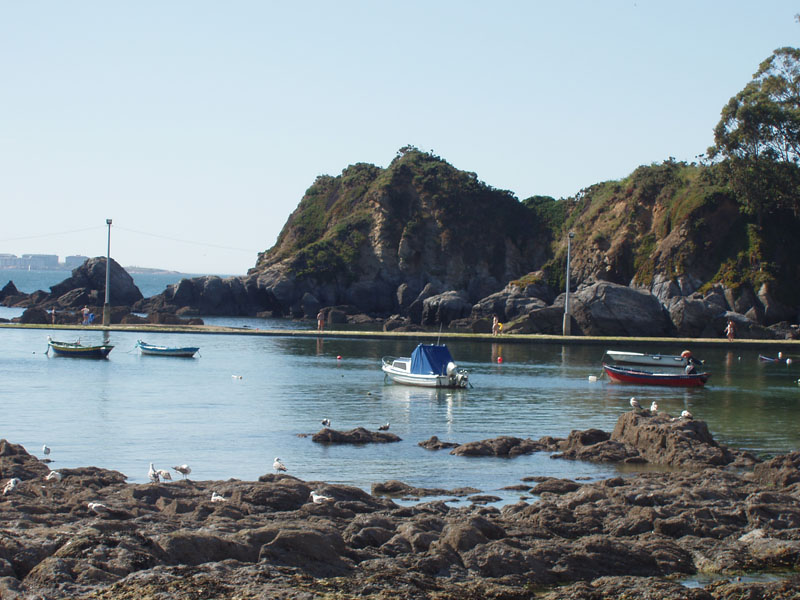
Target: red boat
678	379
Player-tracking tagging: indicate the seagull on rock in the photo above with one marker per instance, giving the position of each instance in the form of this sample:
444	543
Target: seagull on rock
153	474
164	474
686	414
278	465
54	476
635	403
319	498
383	427
654	406
215	497
97	508
46	450
183	470
326	423
11	485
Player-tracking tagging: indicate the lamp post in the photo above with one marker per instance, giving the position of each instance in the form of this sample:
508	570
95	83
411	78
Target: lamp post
567	319
107	303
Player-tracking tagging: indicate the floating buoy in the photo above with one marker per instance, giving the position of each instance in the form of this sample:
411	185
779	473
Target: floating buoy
592	378
499	359
788	361
339	357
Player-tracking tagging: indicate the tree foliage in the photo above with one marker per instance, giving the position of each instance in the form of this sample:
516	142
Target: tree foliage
759	134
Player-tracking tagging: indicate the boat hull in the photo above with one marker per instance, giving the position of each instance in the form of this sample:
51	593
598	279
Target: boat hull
431	381
628	375
75	351
180	352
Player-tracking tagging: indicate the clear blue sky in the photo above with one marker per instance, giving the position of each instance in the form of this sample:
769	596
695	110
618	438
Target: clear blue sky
197	126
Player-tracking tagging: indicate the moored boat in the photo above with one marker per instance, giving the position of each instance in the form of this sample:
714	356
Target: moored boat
152	350
680	361
77	350
672	379
430	365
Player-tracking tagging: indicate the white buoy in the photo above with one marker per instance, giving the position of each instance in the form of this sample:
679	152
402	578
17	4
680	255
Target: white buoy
592	378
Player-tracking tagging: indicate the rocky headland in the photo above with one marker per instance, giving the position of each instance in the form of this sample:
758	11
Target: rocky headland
86	533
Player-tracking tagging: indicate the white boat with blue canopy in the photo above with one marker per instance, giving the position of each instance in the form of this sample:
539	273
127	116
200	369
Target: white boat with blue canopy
430	365
151	350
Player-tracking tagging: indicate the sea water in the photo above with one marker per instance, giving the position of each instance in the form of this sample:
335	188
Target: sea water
247	398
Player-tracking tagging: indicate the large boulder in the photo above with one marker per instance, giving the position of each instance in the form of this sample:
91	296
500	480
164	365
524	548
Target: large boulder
446	307
90	278
605	308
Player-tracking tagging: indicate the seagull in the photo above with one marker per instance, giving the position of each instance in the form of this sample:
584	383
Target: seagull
278	465
97	508
319	498
183	470
326	423
46	450
215	497
686	414
11	485
654	406
635	403
153	474
383	427
54	476
164	474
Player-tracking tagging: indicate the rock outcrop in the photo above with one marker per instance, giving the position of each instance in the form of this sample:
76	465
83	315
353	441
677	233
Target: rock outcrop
87	533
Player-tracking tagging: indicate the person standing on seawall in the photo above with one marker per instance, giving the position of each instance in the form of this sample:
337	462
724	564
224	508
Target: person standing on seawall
730	330
320	320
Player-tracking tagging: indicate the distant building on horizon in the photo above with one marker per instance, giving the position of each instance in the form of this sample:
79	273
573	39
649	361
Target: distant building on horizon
74	261
40	262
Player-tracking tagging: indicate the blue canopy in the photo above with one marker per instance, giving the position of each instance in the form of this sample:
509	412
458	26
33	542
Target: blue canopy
430	359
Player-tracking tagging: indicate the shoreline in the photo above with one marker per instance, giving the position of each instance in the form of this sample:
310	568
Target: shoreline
421	335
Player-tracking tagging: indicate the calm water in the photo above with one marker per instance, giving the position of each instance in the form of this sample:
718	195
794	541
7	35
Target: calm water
129	410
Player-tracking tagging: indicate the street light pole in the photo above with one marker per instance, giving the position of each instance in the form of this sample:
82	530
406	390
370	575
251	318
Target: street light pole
107	303
567	319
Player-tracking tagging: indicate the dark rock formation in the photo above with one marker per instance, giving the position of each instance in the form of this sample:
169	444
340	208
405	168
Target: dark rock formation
87	286
434	443
398	488
359	435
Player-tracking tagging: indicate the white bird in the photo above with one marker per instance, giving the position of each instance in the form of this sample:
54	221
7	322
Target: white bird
153	474
97	508
164	474
654	406
326	422
278	465
319	498
183	470
635	403
54	476
215	497
11	485
383	427
46	450
686	414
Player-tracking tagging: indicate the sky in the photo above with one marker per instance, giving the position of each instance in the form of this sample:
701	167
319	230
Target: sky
197	126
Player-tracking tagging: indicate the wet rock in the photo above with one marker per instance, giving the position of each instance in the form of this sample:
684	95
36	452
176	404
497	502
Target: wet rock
501	446
434	443
359	435
398	488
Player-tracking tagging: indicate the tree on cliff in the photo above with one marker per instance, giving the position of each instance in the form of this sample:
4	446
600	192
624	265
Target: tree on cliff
759	134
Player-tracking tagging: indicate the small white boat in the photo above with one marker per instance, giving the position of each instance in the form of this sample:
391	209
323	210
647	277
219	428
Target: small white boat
151	350
652	360
430	365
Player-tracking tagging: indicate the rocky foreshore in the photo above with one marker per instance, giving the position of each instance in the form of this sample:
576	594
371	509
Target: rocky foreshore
86	533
